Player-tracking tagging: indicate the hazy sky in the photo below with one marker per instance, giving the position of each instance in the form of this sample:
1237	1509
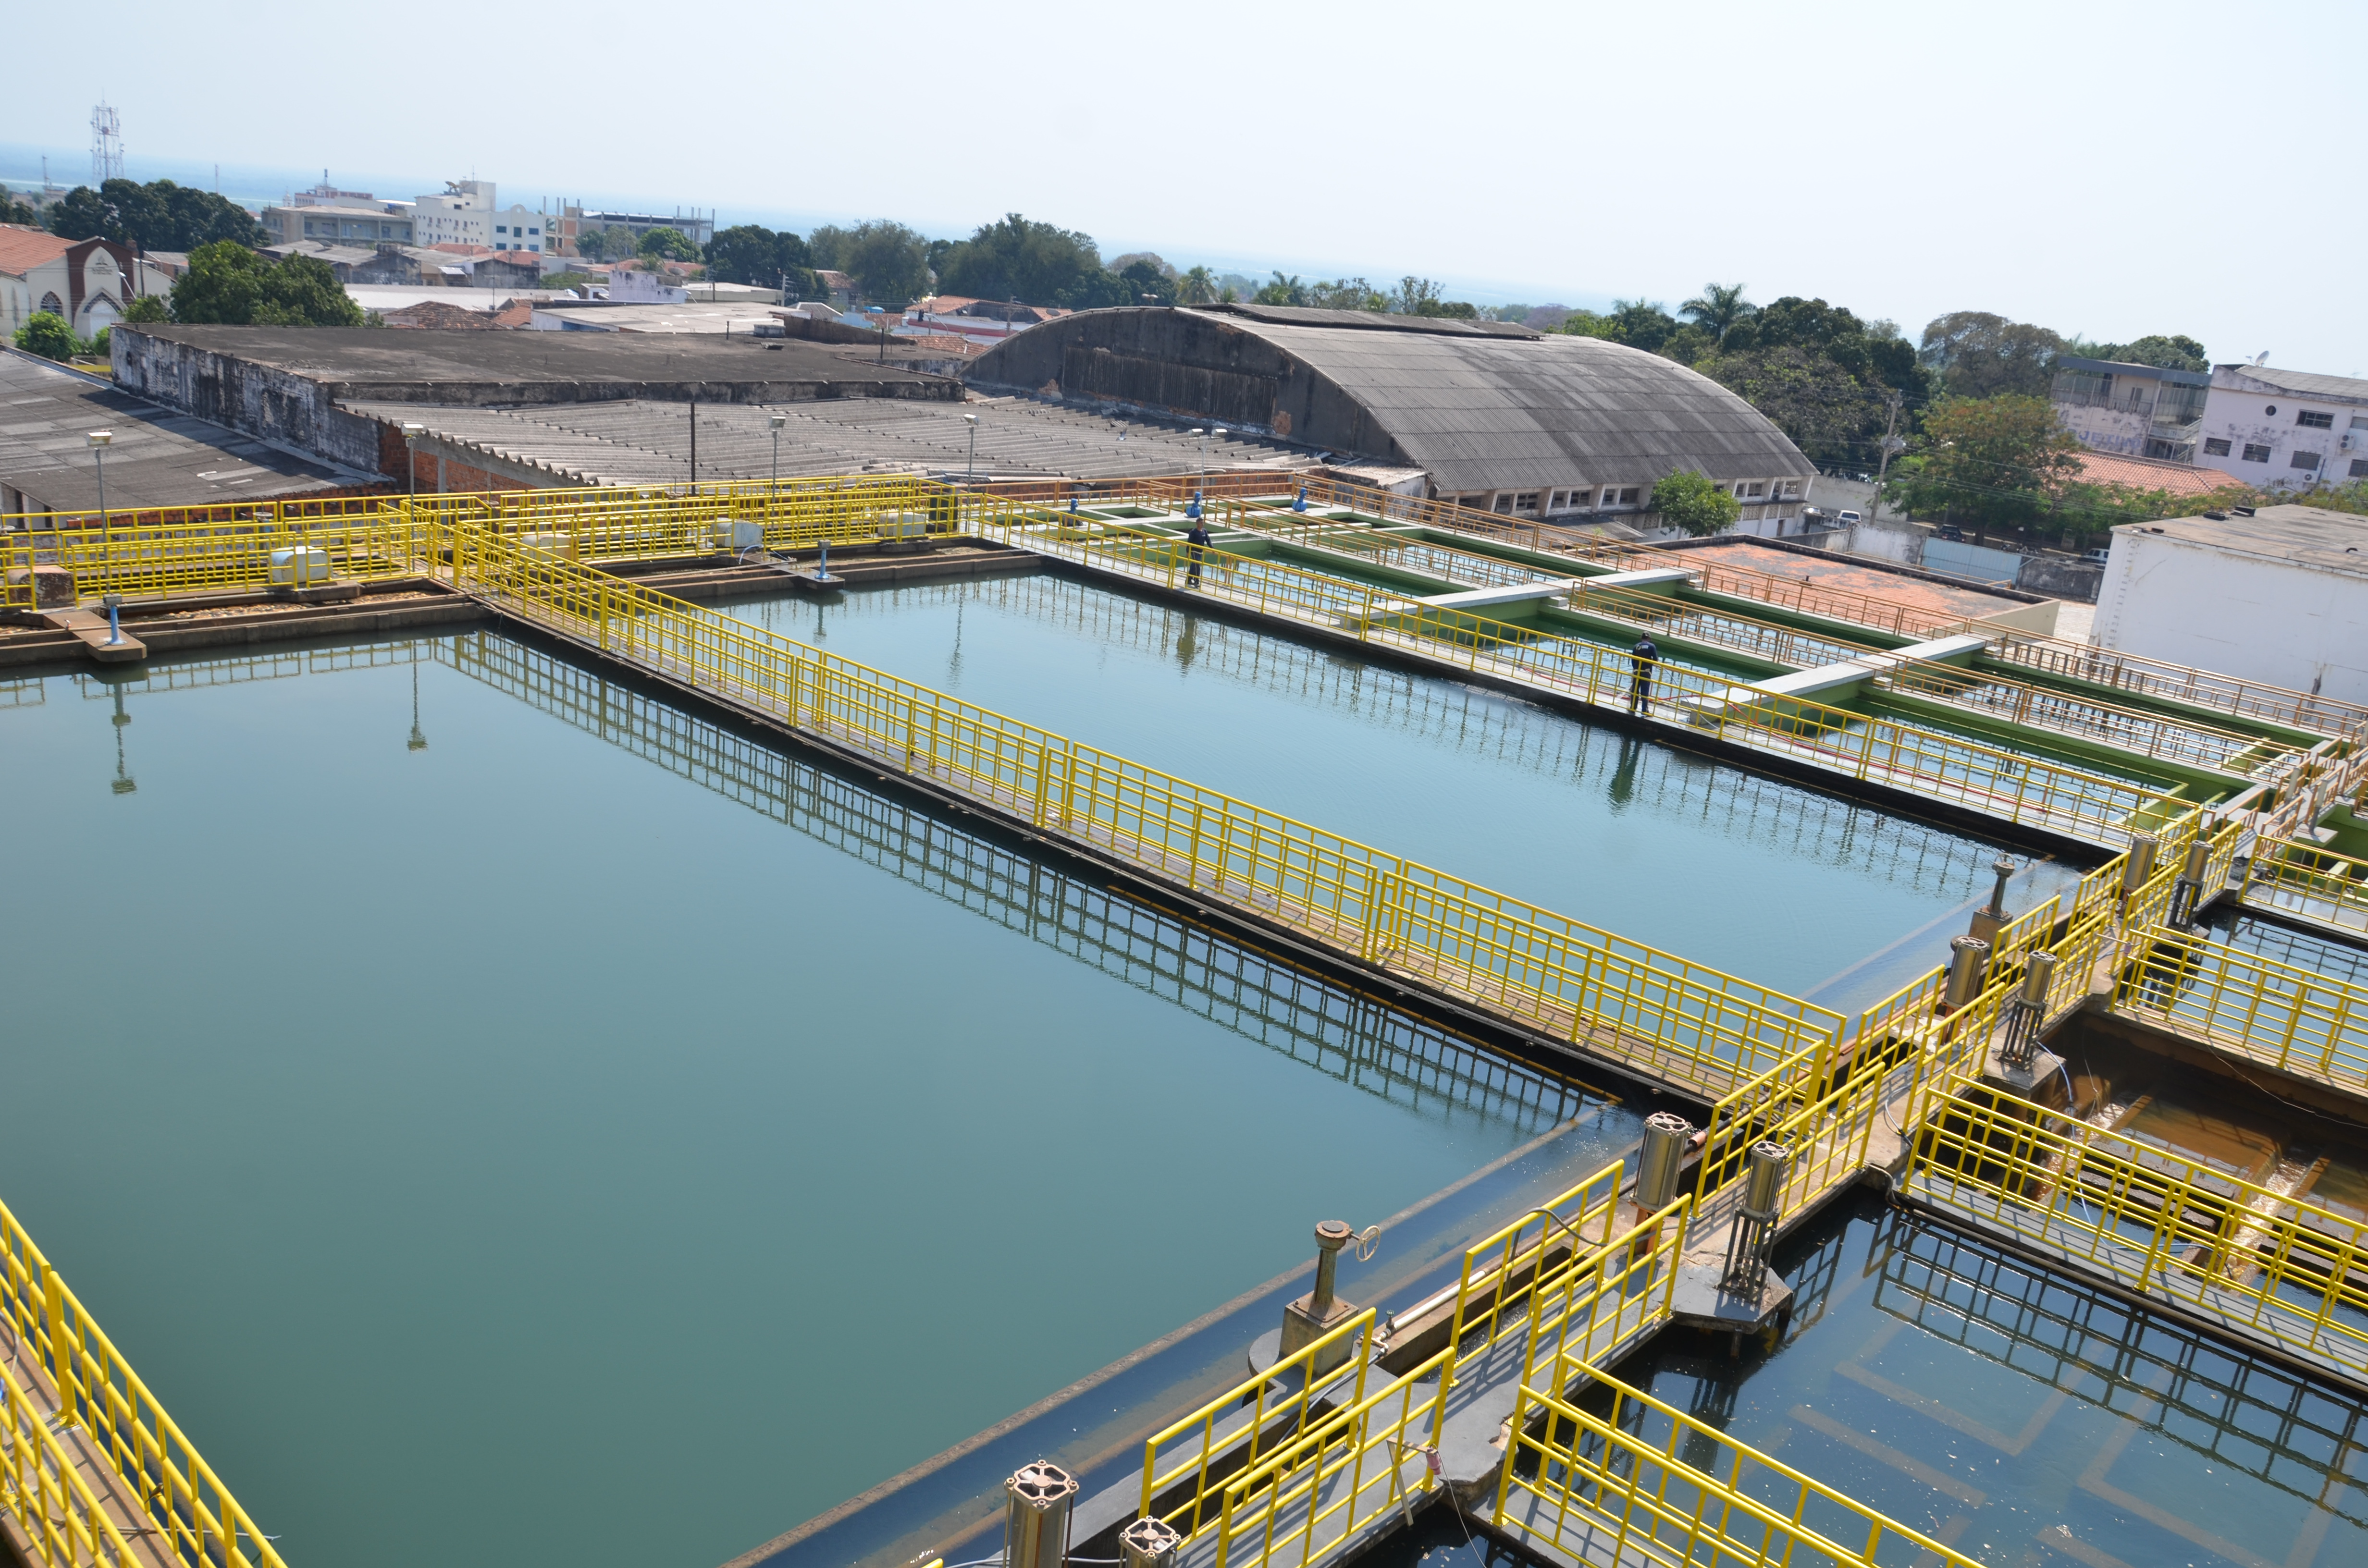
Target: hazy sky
2107	169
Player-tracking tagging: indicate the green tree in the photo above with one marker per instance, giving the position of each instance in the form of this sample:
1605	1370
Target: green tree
1143	276
2176	352
1458	310
666	244
889	262
1695	503
1281	291
569	280
2083	512
1828	412
1198	287
14	210
1024	259
1993	462
229	285
1346	294
159	215
146	309
45	333
1716	309
1639	323
1978	355
1411	295
750	253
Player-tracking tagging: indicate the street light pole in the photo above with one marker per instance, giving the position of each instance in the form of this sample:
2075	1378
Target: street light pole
970	472
412	431
777	421
99	440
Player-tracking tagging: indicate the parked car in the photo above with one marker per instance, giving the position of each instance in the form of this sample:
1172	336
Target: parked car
1847	517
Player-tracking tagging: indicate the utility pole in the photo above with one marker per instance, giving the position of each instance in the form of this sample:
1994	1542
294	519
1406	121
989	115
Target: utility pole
1890	443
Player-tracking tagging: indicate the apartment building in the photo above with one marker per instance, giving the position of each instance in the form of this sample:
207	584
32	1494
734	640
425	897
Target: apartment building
2136	411
2285	430
467	212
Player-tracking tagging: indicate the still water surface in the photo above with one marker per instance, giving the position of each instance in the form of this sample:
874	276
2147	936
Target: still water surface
524	1122
2024	1419
1785	885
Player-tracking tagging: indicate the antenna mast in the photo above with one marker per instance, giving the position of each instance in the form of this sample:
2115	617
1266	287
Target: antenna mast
105	144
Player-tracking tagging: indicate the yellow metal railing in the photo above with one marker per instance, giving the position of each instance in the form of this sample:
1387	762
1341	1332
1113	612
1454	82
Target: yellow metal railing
1230	1434
1928	762
1645	1483
1529	1254
2301	879
1599	1305
1693	1026
157	1467
48	1496
2155	1221
166	561
2248	1005
1307	1500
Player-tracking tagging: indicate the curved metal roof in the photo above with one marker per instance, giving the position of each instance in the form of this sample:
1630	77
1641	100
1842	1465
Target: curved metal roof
1493	412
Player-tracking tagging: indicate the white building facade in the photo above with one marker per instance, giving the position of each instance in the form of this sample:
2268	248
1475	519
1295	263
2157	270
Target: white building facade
467	214
2279	595
2285	430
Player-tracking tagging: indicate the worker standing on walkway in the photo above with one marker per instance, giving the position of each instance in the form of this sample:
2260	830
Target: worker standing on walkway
1645	653
1197	539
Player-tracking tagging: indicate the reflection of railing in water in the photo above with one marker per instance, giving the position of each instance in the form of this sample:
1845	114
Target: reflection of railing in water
1349	1037
2247	1413
1735	802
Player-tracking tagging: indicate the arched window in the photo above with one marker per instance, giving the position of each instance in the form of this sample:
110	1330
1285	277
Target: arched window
53	304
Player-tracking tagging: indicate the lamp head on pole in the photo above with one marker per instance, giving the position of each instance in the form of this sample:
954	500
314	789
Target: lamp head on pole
99	439
413	429
776	421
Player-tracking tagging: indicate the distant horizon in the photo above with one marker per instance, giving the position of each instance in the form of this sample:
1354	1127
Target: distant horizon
1902	164
255	186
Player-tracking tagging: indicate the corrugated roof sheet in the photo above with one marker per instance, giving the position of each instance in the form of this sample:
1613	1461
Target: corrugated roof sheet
638	441
1496	411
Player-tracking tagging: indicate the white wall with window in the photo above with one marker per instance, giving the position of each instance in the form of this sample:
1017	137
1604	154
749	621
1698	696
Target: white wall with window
2286	429
467	214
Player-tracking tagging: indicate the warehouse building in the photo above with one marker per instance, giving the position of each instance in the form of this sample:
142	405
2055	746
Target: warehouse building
2278	596
1492	414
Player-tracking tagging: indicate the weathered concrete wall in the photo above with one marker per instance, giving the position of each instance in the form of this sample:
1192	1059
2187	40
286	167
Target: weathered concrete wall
2060	576
257	400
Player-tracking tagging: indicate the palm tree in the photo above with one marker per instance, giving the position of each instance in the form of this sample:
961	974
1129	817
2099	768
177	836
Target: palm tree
1719	308
1284	291
1198	287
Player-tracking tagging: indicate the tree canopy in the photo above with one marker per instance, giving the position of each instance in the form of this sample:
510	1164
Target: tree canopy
14	208
665	242
1993	462
889	262
1695	503
229	285
47	334
1716	309
1978	354
2175	352
159	215
750	253
1024	259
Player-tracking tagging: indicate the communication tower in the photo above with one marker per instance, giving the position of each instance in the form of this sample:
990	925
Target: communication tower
105	144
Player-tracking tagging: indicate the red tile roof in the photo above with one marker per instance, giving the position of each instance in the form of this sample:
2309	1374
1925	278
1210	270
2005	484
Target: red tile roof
23	249
2154	473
